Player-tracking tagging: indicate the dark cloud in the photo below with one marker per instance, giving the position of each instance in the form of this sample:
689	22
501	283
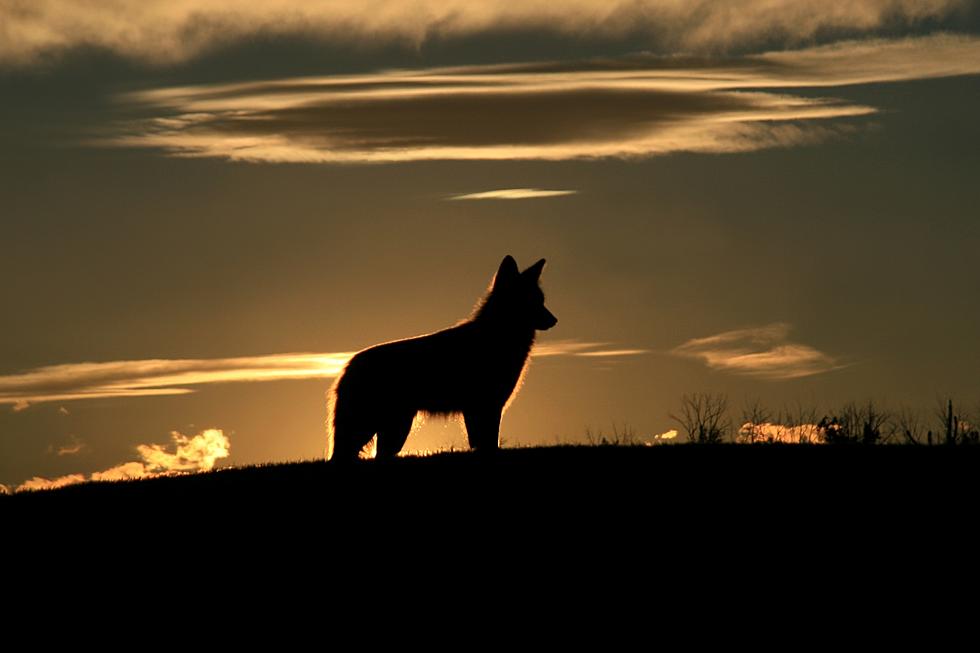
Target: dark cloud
635	107
480	119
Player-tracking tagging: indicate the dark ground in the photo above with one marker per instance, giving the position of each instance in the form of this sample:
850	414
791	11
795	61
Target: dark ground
741	518
563	478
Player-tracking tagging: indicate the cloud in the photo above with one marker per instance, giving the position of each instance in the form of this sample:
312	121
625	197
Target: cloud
582	349
4	489
514	194
609	353
124	472
662	437
198	453
75	446
762	352
638	106
875	61
63	411
783	433
20	405
190	454
156	377
167	31
162	377
39	483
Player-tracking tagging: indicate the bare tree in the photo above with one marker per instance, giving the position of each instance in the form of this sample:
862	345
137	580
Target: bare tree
704	417
624	435
908	425
874	424
754	418
804	419
856	424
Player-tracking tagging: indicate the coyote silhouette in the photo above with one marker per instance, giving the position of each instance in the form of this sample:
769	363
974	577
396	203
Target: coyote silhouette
472	368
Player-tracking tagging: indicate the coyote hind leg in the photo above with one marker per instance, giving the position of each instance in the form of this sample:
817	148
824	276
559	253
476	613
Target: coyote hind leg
393	434
349	439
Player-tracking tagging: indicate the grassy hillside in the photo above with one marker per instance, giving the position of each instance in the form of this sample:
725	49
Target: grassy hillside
657	511
611	474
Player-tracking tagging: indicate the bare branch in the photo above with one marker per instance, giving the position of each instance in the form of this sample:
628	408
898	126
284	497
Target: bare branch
703	416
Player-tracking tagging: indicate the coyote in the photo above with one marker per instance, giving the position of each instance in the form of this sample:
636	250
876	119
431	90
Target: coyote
472	368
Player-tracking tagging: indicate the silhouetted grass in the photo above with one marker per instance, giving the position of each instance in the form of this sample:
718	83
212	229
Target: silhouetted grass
599	512
572	474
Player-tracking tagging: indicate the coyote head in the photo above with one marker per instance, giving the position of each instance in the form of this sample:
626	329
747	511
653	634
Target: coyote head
515	298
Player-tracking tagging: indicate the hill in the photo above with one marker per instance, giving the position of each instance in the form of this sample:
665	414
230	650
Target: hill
651	509
611	475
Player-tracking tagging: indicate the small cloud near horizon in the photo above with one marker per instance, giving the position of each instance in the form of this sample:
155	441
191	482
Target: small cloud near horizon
190	454
665	436
762	352
783	433
514	194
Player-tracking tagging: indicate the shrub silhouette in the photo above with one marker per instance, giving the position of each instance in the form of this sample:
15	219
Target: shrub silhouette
703	416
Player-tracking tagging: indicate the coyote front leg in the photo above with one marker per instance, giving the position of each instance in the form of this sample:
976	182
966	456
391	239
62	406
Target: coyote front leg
483	428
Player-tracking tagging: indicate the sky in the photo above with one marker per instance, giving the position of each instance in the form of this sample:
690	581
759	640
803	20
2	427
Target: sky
206	207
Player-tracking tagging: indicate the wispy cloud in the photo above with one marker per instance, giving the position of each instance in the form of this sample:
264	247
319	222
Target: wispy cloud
73	447
763	352
610	353
161	377
187	454
581	349
155	377
165	31
638	106
20	405
514	194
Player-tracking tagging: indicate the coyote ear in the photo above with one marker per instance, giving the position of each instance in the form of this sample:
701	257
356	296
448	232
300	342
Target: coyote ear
507	272
533	273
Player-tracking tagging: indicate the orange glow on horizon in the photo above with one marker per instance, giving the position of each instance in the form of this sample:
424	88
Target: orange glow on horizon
190	454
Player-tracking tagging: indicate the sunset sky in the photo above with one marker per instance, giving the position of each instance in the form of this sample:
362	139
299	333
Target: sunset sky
207	206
